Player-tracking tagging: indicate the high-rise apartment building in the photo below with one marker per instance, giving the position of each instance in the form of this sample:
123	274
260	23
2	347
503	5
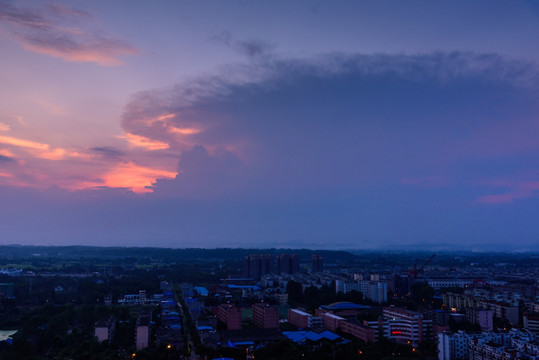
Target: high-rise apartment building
317	263
288	263
258	265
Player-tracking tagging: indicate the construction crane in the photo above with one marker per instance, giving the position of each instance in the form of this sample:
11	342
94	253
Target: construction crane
415	271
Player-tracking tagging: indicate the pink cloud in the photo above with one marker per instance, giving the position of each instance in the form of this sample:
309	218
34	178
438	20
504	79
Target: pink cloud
49	32
520	190
497	199
29	163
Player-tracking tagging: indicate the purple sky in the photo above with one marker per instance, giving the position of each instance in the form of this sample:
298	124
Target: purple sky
270	124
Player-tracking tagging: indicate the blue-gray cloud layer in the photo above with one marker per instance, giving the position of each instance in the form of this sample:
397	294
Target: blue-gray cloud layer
341	150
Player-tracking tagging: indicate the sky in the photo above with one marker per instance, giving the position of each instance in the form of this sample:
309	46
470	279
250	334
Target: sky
287	124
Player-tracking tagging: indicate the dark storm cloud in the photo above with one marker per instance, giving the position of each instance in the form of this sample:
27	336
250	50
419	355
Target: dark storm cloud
342	120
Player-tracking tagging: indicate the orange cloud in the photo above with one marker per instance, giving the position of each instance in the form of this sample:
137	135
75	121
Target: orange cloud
56	154
137	140
153	120
183	131
82	156
40	150
4	127
135	177
23	143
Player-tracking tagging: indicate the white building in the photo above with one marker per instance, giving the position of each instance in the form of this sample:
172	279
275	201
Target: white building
372	290
531	323
485	345
301	319
443	283
406	326
142	332
453	345
104	329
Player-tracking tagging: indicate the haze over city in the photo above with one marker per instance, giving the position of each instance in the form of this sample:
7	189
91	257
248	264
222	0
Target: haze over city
364	125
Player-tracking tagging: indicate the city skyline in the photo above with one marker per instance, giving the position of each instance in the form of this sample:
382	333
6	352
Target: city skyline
289	125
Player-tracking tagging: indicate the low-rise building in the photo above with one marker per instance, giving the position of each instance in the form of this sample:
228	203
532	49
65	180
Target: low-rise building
301	319
531	323
104	329
265	316
142	332
360	331
230	315
486	345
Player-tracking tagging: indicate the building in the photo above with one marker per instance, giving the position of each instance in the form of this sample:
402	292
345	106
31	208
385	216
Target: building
142	332
485	318
502	310
301	319
362	332
104	329
453	345
11	272
404	325
466	302
517	344
531	323
230	315
372	290
317	263
400	284
258	265
133	299
265	316
333	322
282	299
376	291
342	308
201	291
486	345
437	284
288	264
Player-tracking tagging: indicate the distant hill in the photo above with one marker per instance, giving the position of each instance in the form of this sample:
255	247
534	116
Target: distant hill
164	254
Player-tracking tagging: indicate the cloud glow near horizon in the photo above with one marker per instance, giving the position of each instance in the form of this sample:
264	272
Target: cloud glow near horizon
199	132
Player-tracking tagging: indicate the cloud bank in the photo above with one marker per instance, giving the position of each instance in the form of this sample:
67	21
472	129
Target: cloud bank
340	151
347	121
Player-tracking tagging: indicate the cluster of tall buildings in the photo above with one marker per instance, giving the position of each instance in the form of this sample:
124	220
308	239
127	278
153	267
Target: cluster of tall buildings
258	265
288	264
